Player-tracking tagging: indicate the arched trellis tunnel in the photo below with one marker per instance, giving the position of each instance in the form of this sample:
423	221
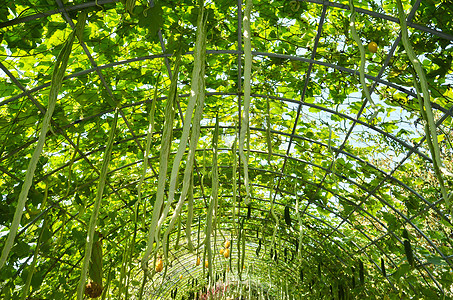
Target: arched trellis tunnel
259	149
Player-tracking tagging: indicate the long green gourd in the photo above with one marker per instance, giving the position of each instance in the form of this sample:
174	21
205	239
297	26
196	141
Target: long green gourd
243	236
122	281
268	131
163	165
332	152
96	206
198	95
190	216
149	137
425	107
299	251
356	38
198	235
57	81
271	199
31	270
216	181
71	163
247	78
203	174
178	234
239	243
107	284
234	149
213	198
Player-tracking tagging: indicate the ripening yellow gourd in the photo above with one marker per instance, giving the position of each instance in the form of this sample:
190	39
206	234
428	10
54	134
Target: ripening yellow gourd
159	265
206	263
221	251
180	276
226	253
372	47
198	261
227	244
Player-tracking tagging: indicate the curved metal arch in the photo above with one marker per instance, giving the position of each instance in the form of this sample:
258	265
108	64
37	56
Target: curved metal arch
233	52
382	16
81	6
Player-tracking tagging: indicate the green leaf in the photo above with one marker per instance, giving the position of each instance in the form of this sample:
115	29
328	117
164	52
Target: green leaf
436	260
402	270
150	19
37	279
57	295
21	249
